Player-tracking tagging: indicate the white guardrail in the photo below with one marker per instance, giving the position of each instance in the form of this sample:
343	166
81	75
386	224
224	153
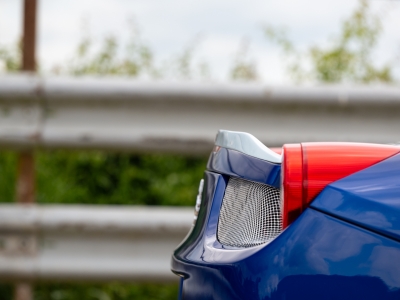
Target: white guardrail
90	243
125	114
132	243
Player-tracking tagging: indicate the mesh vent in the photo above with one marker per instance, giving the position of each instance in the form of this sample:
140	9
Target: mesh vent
250	214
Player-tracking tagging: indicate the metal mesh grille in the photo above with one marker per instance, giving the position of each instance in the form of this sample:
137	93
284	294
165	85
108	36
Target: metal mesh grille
250	214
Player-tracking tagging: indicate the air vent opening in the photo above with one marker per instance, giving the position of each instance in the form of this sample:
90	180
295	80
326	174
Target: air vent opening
250	214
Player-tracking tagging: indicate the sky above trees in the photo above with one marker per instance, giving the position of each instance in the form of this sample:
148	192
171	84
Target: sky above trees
218	33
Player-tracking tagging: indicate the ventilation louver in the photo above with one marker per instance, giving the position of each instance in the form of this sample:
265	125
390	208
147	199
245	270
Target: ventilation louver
250	214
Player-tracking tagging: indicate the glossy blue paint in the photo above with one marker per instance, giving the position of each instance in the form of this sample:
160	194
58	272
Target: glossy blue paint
214	188
345	246
180	288
234	163
317	257
369	198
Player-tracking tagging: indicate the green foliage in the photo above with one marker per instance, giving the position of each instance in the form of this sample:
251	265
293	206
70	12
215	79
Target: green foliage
104	178
6	291
109	59
347	58
243	68
134	59
8	166
184	65
350	56
111	291
10	58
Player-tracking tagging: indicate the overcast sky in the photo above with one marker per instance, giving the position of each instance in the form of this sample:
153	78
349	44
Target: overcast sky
168	26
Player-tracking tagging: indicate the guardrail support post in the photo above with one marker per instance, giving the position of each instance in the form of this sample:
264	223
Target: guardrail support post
25	189
23	291
29	36
25	186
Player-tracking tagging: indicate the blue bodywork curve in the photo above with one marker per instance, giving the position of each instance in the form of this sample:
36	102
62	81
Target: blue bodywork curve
236	164
345	246
369	198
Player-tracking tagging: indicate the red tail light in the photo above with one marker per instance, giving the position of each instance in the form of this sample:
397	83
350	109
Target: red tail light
307	168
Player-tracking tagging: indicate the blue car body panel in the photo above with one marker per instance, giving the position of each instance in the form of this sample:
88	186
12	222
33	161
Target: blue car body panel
234	163
345	246
369	198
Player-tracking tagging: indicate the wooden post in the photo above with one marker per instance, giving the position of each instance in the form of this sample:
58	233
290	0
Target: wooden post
23	291
25	189
25	186
29	36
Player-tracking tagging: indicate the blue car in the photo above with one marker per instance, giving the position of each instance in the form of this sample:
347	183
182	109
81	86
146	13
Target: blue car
309	221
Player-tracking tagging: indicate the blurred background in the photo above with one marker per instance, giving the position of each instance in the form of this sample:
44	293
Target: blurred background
229	43
207	40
